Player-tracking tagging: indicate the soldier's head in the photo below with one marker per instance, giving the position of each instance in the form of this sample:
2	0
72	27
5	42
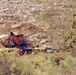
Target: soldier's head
17	37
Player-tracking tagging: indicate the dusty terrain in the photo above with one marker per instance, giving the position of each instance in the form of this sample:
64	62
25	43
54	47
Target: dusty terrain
45	22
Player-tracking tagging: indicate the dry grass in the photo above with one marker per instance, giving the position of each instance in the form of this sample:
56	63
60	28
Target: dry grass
39	64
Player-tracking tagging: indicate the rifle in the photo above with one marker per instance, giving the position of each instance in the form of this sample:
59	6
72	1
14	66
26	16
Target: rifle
42	49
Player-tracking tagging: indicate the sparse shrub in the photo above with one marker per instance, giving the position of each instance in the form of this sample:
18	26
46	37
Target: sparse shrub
68	66
45	13
70	41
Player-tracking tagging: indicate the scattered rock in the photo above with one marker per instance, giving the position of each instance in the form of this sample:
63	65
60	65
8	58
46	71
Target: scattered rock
26	16
15	26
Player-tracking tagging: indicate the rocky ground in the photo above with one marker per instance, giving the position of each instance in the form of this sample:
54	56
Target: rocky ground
45	22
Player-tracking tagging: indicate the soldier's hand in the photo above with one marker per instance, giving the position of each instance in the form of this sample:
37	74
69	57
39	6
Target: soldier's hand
20	51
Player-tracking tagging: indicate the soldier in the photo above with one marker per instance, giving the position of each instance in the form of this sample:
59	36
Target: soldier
20	41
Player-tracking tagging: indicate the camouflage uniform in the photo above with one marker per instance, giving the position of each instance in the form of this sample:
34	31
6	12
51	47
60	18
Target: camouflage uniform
24	45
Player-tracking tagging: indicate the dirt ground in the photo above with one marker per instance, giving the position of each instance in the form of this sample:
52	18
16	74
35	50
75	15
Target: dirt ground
45	23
